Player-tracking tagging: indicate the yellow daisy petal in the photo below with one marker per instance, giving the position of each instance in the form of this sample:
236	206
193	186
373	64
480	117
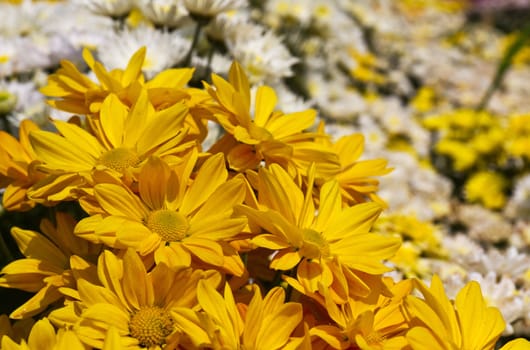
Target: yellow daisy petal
134	275
134	67
163	126
211	175
174	256
60	153
353	220
206	250
265	102
112	115
285	260
152	182
35	245
42	335
116	200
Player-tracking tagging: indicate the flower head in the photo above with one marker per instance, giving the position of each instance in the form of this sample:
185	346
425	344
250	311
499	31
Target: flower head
172	217
270	136
137	303
321	244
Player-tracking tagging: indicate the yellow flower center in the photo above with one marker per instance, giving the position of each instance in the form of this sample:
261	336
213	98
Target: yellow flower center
119	159
150	326
170	225
375	338
315	245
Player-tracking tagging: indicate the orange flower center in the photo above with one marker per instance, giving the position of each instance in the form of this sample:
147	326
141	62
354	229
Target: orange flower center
150	326
315	245
170	225
119	159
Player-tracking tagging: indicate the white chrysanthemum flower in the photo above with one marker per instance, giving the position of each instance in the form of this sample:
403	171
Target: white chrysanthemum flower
397	119
463	251
289	102
31	21
410	188
211	8
29	102
502	294
519	203
510	263
483	224
226	24
335	100
20	55
78	25
164	49
375	136
453	283
114	8
261	53
20	20
164	13
287	12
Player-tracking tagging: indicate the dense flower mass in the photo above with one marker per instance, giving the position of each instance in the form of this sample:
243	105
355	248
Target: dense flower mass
237	175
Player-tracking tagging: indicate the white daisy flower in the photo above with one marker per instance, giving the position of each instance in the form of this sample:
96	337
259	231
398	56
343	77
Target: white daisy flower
510	263
484	224
114	8
226	24
164	49
78	25
463	251
20	55
164	13
29	102
19	20
211	8
519	203
264	57
291	12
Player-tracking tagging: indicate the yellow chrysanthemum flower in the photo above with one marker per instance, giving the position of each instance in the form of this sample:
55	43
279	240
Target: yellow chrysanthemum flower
376	322
17	168
76	93
173	219
321	246
265	323
52	261
437	323
356	177
517	142
487	188
517	344
270	135
43	336
420	239
126	139
138	304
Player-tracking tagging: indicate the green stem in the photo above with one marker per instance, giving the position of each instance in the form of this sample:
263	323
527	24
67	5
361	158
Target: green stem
196	35
209	63
503	66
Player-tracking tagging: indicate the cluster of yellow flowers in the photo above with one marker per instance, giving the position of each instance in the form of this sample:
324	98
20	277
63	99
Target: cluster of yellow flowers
262	241
473	141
